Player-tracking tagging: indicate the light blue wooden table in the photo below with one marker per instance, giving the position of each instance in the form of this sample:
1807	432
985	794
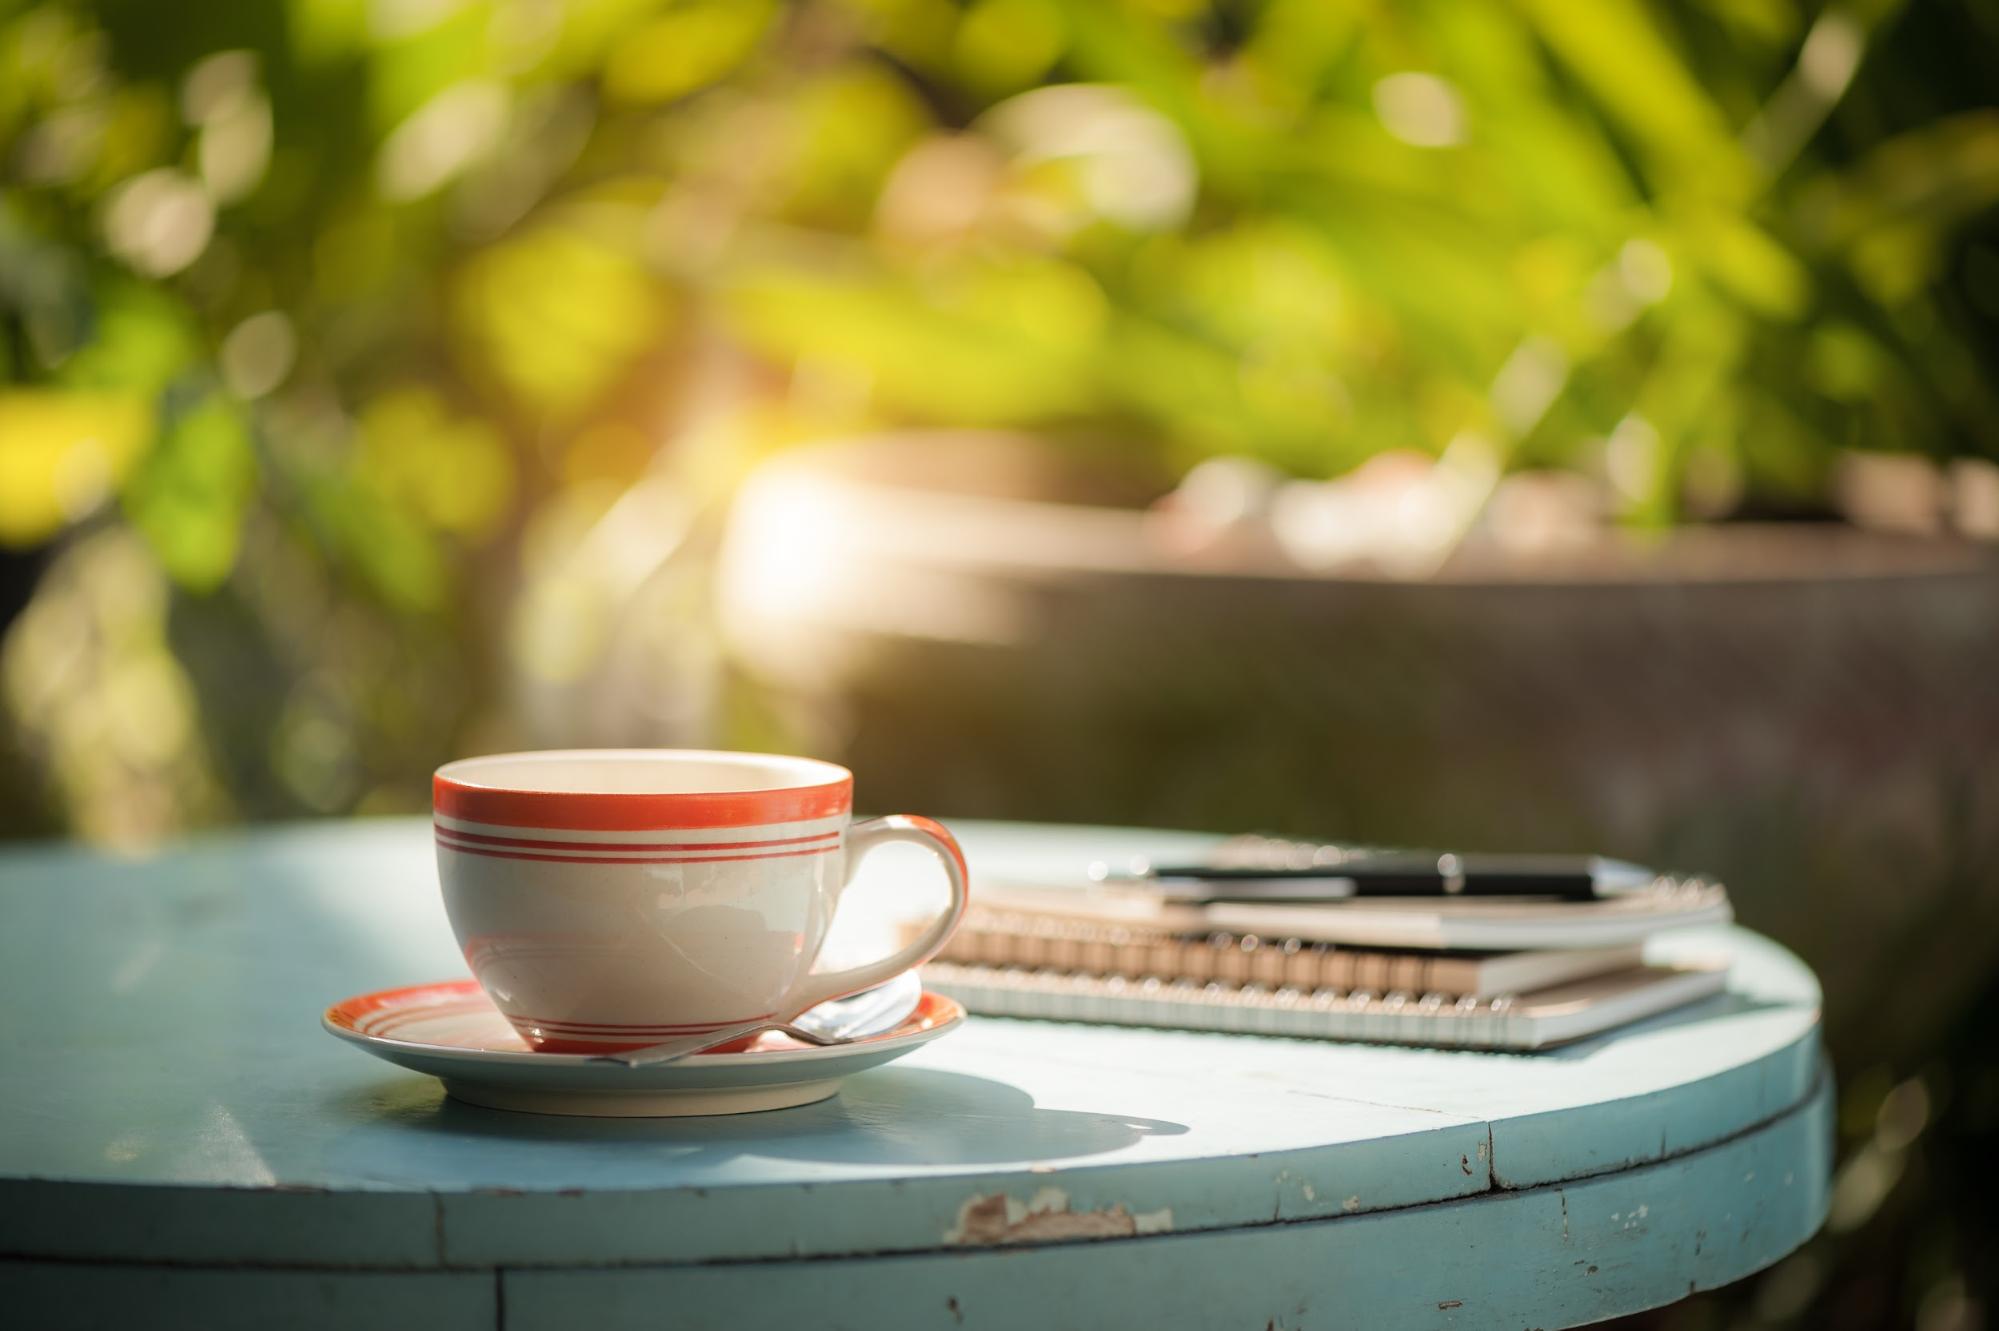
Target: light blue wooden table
181	1145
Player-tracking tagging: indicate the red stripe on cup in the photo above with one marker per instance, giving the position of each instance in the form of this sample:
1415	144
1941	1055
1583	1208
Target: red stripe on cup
530	843
570	1044
626	1028
445	839
601	812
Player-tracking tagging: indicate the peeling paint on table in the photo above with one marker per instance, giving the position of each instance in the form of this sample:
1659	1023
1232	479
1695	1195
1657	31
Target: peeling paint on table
1047	1217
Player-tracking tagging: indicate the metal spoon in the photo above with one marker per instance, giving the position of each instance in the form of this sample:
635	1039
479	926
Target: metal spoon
838	1021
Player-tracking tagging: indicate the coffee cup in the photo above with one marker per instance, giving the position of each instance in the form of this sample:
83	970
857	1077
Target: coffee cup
609	899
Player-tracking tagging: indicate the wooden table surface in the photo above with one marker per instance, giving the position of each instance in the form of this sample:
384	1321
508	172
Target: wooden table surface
182	1145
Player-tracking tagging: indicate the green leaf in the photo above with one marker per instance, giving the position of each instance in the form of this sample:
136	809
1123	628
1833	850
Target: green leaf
1614	49
934	363
686	48
1892	212
189	496
555	315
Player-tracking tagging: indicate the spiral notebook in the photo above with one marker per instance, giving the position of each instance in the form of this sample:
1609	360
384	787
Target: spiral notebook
1533	1020
1023	940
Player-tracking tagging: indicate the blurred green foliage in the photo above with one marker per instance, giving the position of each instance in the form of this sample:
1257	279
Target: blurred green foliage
313	312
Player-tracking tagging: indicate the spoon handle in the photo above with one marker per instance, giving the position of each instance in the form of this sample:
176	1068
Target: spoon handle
672	1051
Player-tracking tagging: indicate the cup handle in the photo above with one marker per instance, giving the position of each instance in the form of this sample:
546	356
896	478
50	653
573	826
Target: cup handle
861	838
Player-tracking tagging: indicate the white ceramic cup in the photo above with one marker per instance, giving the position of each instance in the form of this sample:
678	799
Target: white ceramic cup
610	899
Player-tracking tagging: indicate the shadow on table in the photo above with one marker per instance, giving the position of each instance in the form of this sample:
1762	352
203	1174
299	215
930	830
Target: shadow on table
887	1116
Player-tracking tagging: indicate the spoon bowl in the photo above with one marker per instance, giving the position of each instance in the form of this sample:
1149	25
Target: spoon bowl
836	1021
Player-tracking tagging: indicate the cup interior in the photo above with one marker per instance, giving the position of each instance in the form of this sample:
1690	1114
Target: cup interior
640	772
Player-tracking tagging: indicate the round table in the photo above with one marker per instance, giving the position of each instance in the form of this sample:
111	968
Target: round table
184	1146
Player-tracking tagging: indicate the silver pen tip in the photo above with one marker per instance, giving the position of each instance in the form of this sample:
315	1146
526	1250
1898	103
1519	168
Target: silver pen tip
1619	876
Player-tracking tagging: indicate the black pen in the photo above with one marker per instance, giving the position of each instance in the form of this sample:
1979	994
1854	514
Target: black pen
1392	874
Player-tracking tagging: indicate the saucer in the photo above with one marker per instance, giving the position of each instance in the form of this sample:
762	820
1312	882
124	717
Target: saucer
453	1032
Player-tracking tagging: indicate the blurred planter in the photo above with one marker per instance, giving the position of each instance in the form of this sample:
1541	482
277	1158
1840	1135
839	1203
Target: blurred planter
1810	711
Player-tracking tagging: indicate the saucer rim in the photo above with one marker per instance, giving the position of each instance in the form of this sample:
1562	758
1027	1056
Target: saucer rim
953	1017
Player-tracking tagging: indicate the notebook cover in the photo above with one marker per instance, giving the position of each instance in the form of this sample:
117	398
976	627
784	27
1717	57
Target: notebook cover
1003	938
1536	1020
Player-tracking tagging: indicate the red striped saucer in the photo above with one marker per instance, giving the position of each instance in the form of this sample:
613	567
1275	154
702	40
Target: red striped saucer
452	1031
